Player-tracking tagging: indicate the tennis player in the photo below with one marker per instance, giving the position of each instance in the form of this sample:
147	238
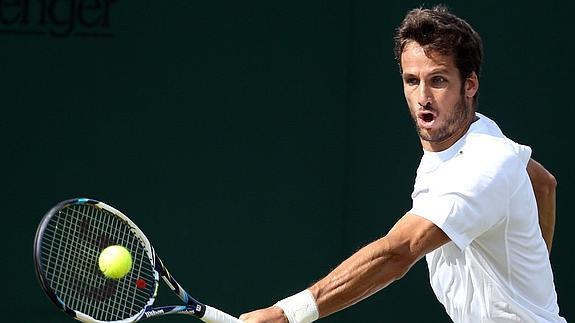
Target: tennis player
475	212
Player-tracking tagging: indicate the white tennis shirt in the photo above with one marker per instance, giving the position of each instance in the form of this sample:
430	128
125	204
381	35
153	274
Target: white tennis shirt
496	267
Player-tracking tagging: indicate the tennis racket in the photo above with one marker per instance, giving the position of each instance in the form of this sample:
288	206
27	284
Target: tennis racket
67	245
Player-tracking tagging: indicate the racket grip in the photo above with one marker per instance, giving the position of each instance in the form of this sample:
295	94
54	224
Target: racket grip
213	315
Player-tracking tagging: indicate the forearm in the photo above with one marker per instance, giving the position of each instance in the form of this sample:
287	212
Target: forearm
364	273
367	271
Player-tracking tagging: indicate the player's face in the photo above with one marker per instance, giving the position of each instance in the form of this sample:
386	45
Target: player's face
440	104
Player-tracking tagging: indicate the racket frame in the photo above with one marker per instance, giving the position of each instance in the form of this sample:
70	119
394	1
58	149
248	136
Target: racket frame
191	306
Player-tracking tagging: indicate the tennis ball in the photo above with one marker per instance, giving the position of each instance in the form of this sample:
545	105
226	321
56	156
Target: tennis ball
115	262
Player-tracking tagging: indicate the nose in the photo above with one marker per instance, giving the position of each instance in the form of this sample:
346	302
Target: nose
424	98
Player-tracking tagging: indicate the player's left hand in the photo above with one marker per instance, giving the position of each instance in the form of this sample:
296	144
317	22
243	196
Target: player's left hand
271	314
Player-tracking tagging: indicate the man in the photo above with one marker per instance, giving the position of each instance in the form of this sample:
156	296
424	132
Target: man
475	215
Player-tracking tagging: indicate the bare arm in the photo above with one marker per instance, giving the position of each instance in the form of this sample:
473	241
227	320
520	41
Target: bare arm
378	264
544	186
368	270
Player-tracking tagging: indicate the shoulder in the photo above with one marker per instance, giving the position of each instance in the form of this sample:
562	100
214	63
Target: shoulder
487	157
482	162
491	148
487	148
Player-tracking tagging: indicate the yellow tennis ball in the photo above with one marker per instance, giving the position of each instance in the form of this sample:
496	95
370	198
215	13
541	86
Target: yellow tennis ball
115	262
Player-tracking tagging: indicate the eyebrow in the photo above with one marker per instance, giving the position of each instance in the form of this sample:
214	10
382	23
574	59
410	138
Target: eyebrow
440	70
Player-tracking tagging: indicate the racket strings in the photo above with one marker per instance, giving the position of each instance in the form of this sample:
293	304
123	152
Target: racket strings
71	245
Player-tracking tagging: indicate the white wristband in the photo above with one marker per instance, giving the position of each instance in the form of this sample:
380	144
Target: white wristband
299	308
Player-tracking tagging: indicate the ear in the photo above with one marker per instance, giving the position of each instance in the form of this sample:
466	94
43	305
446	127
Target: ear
471	85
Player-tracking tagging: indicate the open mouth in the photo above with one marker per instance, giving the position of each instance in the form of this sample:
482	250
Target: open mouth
425	118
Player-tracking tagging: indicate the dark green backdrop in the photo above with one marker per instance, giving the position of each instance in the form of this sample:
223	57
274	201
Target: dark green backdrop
270	137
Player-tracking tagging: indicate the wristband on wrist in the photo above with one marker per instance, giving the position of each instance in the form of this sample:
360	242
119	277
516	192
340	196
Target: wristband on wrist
299	308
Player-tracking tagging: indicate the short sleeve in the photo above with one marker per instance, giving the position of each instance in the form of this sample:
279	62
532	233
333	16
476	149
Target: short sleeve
462	217
468	199
524	152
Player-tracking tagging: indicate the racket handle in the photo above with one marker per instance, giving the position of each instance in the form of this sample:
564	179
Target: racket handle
213	315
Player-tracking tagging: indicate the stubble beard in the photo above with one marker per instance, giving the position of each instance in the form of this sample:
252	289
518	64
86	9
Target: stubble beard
455	121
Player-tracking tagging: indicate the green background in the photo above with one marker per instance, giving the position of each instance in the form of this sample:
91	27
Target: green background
256	143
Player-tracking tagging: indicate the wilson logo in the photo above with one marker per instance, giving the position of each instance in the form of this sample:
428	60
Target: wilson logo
154	313
58	18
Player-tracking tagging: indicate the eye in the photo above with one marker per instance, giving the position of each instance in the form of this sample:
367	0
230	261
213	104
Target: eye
411	81
438	81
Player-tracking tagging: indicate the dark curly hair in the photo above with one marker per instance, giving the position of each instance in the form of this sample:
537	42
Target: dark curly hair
439	31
